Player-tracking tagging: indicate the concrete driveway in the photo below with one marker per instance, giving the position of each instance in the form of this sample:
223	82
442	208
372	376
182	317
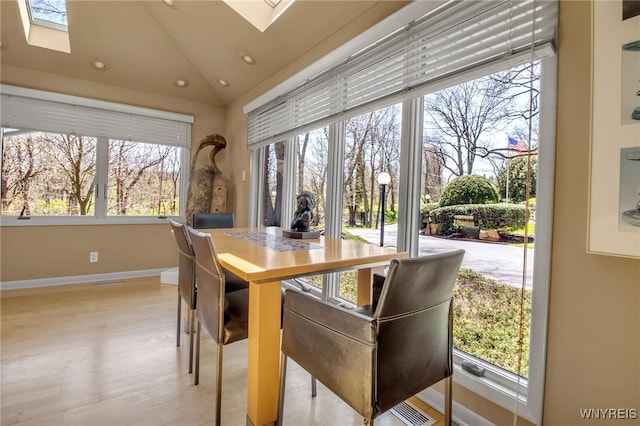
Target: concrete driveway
500	262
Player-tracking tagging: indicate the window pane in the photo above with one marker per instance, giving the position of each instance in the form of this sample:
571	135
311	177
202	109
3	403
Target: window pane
312	151
467	138
372	147
52	11
312	170
273	179
144	179
47	174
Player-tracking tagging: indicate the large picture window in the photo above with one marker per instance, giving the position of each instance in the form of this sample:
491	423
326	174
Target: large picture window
65	157
484	118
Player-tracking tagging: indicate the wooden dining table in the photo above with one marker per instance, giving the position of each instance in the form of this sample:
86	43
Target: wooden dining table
264	257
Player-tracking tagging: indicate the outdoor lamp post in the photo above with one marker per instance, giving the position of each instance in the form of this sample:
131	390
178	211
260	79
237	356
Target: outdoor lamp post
383	179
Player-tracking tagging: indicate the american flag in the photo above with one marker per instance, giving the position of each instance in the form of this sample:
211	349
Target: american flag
517	145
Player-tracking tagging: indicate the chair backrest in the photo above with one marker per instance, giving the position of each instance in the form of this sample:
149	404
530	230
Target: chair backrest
213	220
210	276
414	326
186	265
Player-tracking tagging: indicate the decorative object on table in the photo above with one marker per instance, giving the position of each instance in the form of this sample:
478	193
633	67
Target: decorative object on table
208	187
300	226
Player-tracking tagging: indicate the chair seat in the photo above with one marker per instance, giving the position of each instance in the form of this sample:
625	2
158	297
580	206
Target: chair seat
232	282
235	316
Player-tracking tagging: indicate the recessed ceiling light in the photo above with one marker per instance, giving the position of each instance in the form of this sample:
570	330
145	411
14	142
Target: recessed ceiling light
171	3
99	65
222	82
248	59
182	83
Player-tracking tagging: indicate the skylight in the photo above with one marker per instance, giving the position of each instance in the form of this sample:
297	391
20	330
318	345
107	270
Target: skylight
260	14
45	24
49	12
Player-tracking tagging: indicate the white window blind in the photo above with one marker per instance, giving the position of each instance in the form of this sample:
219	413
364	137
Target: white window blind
456	38
27	109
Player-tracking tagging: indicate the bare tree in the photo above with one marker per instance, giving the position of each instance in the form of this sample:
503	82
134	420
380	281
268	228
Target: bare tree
19	169
385	153
355	191
459	119
273	179
54	10
315	170
431	174
302	153
74	157
173	174
128	162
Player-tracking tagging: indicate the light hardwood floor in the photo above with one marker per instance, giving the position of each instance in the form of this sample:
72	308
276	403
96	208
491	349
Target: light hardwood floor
105	354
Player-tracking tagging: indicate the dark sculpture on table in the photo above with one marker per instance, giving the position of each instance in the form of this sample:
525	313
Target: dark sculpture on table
300	226
208	187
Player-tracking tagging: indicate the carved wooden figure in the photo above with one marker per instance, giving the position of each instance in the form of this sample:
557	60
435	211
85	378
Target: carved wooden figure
208	187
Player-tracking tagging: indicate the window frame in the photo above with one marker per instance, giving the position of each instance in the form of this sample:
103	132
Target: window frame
100	216
506	389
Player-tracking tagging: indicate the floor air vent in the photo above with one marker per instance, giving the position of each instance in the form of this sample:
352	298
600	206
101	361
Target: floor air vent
411	415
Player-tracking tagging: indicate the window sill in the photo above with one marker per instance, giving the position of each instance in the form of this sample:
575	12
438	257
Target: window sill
499	386
10	221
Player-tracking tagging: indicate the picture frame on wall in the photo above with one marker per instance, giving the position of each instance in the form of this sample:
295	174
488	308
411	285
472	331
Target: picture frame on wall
614	190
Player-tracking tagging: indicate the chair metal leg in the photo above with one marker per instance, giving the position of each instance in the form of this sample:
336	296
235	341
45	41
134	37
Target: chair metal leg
197	373
448	385
191	320
179	309
313	387
219	385
283	380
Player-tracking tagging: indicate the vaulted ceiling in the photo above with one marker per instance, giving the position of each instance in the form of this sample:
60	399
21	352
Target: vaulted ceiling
148	45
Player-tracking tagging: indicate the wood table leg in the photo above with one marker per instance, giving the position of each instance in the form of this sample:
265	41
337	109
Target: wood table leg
264	353
365	278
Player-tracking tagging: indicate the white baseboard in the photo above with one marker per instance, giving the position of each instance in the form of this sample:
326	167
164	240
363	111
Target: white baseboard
78	279
169	276
461	415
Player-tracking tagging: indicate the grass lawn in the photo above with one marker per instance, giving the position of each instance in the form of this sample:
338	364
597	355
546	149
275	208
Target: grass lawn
487	320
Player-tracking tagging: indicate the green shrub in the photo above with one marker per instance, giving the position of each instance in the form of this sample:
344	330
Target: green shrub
425	209
517	169
390	216
472	232
469	189
486	216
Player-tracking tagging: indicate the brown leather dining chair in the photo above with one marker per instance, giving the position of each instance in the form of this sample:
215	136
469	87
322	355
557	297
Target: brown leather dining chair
220	220
186	282
379	355
223	314
213	220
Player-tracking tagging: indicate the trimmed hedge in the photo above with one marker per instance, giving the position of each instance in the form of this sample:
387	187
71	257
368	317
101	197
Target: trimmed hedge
425	209
486	216
469	189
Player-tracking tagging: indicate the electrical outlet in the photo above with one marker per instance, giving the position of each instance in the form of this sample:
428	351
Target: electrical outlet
93	257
